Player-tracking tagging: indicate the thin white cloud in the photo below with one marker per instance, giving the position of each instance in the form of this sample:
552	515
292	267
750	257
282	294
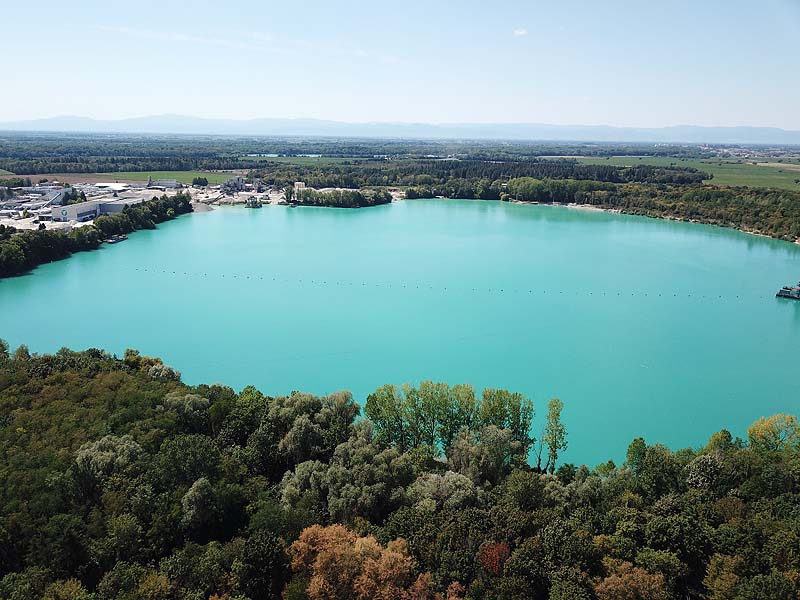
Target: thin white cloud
261	37
182	38
252	41
519	32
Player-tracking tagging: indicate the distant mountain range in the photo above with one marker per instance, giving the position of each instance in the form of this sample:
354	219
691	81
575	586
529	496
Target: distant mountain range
178	124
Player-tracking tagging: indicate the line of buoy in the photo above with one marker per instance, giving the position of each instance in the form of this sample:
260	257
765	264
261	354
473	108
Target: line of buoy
406	285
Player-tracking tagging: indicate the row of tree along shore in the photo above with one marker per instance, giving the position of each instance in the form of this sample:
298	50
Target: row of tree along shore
22	250
771	212
119	482
672	192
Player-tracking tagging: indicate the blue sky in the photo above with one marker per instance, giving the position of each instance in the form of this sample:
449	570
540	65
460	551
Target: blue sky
618	62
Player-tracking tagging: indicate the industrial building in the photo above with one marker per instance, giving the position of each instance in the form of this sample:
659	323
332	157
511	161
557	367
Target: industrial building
233	185
91	209
163	184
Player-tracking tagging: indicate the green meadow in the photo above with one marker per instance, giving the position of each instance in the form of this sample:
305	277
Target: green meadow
305	161
725	172
182	176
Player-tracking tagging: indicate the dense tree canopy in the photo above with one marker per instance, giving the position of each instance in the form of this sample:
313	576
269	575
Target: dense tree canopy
23	250
340	198
119	482
30	153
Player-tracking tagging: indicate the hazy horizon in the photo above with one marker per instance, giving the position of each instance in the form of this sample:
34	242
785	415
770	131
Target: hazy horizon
309	127
620	64
207	117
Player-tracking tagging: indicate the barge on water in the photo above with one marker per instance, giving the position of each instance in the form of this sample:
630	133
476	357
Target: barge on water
792	293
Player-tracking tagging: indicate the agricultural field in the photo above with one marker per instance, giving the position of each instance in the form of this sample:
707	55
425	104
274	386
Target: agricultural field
305	161
185	177
767	173
182	176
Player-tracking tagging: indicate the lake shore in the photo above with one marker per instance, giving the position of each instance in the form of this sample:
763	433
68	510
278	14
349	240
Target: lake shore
592	207
571	205
201	207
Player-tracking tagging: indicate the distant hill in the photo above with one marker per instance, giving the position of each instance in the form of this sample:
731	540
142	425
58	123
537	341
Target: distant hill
178	124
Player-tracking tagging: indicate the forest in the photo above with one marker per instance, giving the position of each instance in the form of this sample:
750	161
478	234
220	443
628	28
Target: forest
337	198
475	178
119	482
22	250
771	212
32	153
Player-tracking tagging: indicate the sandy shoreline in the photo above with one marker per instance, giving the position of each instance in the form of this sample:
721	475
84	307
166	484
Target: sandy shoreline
199	207
571	205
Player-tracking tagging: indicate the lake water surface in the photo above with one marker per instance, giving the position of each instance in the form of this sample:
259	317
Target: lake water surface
642	327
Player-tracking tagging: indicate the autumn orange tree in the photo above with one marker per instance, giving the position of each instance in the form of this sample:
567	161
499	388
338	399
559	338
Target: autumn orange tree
775	433
628	582
338	564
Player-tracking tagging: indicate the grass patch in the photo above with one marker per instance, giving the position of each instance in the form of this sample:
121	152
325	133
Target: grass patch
725	172
305	161
4	172
182	176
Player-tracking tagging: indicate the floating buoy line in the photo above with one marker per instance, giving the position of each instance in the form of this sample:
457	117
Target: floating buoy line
427	286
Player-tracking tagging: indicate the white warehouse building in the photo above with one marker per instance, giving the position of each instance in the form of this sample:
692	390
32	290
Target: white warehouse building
86	211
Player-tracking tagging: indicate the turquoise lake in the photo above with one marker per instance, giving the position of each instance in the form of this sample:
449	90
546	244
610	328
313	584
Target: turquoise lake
650	328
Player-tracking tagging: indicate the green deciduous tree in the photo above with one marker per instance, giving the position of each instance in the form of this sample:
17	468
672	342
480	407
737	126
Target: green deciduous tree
554	436
260	570
485	456
508	410
434	413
